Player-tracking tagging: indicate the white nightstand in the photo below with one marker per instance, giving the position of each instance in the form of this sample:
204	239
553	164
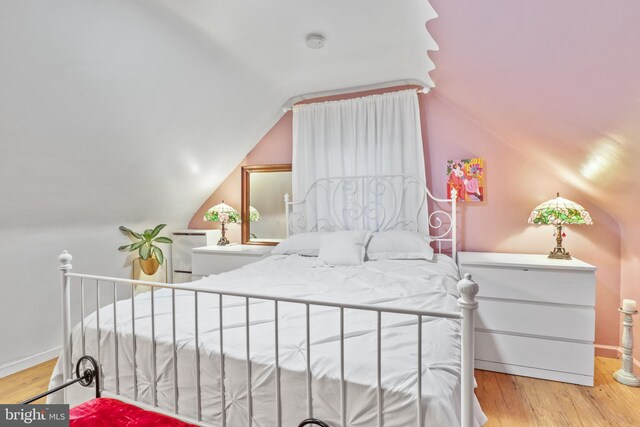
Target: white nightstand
183	243
536	315
218	259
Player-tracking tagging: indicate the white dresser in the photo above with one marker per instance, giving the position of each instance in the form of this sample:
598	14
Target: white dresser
218	259
536	315
183	243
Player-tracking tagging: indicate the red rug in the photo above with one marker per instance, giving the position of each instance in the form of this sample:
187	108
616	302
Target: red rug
114	413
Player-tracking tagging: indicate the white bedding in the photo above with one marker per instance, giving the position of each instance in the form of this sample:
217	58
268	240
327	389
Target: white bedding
418	284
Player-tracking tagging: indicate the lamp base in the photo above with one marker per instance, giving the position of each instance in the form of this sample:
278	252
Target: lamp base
223	240
559	253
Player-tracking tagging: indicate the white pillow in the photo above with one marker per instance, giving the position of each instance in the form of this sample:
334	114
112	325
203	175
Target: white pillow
397	244
307	244
343	248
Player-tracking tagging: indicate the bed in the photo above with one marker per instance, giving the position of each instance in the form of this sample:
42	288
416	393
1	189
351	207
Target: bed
298	339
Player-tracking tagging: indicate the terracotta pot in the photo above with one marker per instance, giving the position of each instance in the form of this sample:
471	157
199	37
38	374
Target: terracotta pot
149	266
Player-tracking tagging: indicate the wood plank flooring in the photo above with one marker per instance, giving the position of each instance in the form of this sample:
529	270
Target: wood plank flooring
507	400
512	401
28	383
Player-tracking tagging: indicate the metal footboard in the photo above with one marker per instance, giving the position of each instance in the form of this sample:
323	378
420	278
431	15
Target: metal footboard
467	304
86	377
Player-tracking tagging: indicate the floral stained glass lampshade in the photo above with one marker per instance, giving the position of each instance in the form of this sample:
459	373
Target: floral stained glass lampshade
559	212
224	214
254	215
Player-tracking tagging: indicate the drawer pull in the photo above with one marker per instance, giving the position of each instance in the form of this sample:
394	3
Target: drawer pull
525	269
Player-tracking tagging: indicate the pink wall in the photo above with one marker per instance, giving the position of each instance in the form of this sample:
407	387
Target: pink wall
558	81
515	184
274	148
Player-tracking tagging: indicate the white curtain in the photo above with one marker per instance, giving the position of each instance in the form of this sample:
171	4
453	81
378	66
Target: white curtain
373	135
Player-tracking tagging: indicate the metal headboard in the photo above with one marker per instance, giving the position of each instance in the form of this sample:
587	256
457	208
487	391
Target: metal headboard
375	203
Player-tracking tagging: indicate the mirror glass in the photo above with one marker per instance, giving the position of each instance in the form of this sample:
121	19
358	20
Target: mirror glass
263	212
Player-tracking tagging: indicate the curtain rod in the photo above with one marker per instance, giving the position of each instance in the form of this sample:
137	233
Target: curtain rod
385	85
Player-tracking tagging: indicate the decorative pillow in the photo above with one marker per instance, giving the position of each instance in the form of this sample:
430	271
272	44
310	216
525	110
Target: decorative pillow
343	248
397	244
306	244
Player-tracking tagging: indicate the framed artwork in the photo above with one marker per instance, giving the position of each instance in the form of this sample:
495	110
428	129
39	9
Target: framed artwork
467	177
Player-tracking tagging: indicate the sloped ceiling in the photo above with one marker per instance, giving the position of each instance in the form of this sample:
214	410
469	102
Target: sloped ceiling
113	109
559	80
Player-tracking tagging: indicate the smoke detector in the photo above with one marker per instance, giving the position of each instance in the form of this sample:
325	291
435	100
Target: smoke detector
315	41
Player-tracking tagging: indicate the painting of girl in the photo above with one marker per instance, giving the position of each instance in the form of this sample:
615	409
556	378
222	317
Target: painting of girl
467	178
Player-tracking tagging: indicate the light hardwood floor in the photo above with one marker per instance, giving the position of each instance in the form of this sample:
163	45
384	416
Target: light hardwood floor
28	383
507	400
519	401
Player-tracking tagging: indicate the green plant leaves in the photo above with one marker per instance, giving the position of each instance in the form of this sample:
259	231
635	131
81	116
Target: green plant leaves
137	245
144	252
163	240
159	254
157	230
145	244
131	247
133	233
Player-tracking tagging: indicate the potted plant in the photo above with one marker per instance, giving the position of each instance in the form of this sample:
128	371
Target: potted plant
151	256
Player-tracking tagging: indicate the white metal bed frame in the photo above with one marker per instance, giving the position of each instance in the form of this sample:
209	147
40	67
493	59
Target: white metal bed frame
467	304
375	203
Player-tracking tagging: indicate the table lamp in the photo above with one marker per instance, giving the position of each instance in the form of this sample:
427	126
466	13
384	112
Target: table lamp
224	214
254	215
559	212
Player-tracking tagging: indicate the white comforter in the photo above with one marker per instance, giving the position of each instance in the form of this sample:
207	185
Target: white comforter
407	284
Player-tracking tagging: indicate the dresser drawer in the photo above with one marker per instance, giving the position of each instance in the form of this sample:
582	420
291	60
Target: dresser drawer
575	323
571	357
529	284
206	264
181	249
180	277
183	243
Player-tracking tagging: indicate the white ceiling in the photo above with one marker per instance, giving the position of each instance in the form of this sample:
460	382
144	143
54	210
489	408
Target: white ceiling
110	110
367	41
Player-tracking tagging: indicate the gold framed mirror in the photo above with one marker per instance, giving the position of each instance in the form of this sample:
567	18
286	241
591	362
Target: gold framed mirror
263	210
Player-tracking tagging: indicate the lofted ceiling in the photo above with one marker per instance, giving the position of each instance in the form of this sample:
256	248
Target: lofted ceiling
110	110
367	41
164	98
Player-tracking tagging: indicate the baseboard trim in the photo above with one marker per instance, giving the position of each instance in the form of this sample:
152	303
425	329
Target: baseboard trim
506	368
611	351
615	353
28	362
